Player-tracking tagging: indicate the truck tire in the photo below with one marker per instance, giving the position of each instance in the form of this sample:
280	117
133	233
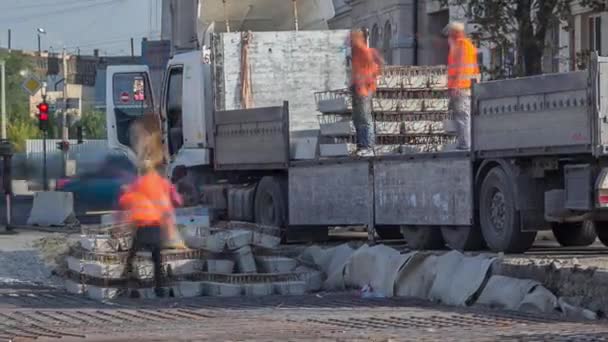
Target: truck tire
423	237
270	204
499	217
187	187
463	238
389	232
575	234
601	229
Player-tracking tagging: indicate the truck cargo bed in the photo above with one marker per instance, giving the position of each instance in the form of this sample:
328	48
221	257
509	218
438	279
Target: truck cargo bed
430	189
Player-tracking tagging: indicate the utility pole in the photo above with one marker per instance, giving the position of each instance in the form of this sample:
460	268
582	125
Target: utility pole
64	116
132	48
9	40
5	146
3	90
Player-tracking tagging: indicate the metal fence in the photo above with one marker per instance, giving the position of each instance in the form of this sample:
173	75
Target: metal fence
86	155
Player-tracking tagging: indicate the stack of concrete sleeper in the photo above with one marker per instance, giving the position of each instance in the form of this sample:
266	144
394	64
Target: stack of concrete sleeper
410	112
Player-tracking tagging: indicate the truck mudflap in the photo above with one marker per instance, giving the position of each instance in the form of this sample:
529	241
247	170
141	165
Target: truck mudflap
422	189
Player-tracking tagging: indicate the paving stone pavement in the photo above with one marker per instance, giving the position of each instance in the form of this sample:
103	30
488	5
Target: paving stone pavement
45	314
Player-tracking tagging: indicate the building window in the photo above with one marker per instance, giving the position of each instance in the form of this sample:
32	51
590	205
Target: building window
387	50
595	33
374	38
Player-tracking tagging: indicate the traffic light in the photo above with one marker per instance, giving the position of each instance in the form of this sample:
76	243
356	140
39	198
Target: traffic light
43	116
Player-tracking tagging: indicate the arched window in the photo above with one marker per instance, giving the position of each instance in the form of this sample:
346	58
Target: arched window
387	49
374	38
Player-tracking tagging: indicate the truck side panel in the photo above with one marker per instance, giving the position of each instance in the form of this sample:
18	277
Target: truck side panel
330	194
424	191
548	113
285	66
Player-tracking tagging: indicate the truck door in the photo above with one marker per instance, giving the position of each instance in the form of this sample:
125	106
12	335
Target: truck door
128	97
599	78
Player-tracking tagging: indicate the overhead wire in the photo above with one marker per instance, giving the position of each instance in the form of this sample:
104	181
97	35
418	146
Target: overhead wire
35	16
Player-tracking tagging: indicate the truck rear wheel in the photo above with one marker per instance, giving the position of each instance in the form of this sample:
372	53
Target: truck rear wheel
601	229
575	234
462	238
499	217
270	205
421	237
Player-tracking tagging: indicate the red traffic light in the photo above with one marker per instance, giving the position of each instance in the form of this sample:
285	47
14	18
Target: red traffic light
43	111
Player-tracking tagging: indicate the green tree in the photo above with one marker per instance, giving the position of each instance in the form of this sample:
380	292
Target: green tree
518	25
94	125
20	125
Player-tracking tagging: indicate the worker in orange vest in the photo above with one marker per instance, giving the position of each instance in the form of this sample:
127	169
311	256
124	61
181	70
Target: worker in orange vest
462	69
366	67
149	204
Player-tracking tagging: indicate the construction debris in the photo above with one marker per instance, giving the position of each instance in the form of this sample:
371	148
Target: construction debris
227	259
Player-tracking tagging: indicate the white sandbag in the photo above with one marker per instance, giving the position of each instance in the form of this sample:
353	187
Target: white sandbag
377	266
539	300
459	277
575	312
505	292
52	208
416	276
334	265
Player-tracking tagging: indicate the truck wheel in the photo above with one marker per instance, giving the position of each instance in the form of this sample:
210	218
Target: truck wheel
576	234
421	237
389	232
462	238
270	205
601	229
498	216
187	188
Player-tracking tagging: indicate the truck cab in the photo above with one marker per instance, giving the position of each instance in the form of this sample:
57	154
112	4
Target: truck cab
185	97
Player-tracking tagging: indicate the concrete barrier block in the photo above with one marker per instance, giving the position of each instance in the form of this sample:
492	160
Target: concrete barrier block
334	106
95	269
265	240
312	278
187	289
104	243
292	288
215	289
244	260
101	293
337	129
184	267
257	290
220	266
336	150
213	243
73	287
52	208
275	264
238	238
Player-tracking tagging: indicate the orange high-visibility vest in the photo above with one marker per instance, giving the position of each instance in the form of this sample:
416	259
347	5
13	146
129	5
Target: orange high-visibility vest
148	201
365	70
462	64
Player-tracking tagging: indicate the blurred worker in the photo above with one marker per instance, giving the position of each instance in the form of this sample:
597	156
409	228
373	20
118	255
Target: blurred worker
149	202
462	69
366	67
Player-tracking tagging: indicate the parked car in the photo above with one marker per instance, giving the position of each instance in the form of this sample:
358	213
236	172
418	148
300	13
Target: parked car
101	188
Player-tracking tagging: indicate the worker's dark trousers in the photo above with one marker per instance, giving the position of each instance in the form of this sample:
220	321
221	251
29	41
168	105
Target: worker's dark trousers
148	239
363	120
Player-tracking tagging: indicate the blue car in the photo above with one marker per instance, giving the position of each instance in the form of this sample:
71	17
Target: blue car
101	188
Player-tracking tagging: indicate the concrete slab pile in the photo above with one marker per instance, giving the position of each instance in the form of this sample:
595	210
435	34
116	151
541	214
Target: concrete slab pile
228	259
411	102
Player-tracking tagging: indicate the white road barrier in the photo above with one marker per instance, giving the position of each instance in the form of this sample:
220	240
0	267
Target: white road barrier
52	208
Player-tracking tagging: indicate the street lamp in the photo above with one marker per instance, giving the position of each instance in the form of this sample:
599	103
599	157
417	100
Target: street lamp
40	31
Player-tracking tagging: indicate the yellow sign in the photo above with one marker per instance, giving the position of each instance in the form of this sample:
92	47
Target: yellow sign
31	85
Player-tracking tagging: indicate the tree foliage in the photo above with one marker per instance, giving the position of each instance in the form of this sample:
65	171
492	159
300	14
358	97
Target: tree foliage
20	125
518	25
94	125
